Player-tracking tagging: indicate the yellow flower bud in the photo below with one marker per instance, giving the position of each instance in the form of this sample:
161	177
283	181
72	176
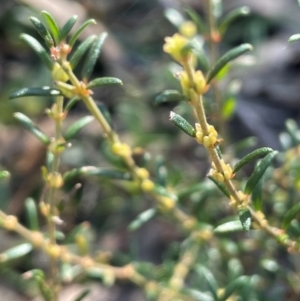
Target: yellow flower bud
121	149
147	185
199	137
206	141
10	222
53	251
188	29
174	46
142	173
58	73
200	82
55	180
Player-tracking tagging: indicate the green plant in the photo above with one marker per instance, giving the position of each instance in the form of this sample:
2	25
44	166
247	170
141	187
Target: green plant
168	281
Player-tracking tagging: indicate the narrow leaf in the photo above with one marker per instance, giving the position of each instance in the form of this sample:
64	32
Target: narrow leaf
4	174
38	49
196	18
174	17
53	27
95	171
169	96
210	279
234	287
82	295
141	219
232	16
105	112
245	218
77	126
256	196
80	30
80	51
31	214
104	81
293	130
26	92
42	30
182	124
259	172
221	186
31	127
71	103
232	226
93	55
68	27
161	171
294	38
16	252
290	215
252	156
226	58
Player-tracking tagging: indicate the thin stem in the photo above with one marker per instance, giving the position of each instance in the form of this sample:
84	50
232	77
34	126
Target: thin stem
183	267
213	42
52	194
113	137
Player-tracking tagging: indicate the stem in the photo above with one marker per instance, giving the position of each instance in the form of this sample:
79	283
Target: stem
213	42
52	195
183	267
113	137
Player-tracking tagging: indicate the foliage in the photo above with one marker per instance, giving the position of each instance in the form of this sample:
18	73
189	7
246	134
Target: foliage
221	219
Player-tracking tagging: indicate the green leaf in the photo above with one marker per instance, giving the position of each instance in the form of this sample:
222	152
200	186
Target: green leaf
141	219
259	172
4	174
221	186
92	57
104	81
42	30
38	49
105	112
232	226
196	18
252	156
294	38
290	215
71	103
293	130
161	172
31	214
80	30
182	124
174	17
256	196
53	27
16	252
83	294
245	218
98	172
68	27
77	126
226	58
26	92
209	278
231	17
32	128
235	286
228	108
169	96
160	190
217	8
80	51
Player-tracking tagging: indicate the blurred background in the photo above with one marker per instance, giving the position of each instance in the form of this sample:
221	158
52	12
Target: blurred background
268	96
